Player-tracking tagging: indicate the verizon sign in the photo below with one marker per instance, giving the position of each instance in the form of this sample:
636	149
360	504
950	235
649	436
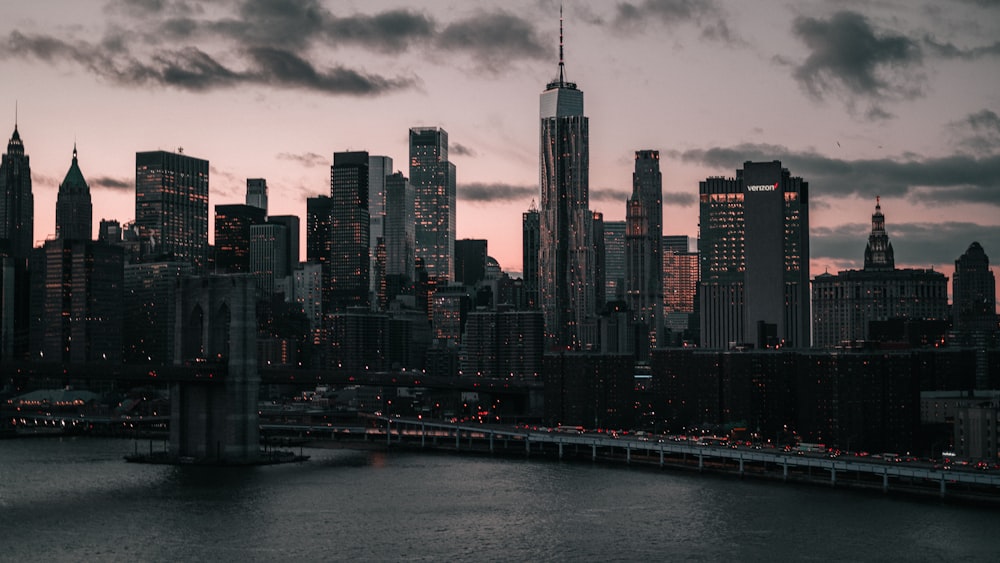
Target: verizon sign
763	188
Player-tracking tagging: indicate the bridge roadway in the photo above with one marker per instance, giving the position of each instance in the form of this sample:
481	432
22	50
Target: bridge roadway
409	429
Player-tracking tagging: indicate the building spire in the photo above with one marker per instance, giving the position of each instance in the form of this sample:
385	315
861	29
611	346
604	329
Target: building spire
562	64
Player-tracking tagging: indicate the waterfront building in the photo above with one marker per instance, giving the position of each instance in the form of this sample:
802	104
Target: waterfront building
171	206
17	216
614	261
529	255
566	262
74	209
502	342
845	304
644	244
150	303
257	193
433	178
589	389
754	259
232	236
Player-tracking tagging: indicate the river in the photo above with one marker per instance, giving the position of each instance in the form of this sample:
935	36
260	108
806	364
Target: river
74	499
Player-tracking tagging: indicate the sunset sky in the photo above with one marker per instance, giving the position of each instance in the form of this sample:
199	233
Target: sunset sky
898	99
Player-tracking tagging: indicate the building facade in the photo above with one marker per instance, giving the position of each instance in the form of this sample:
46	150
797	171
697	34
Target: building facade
566	261
350	266
644	243
754	259
171	206
232	236
845	304
257	193
433	178
530	246
614	261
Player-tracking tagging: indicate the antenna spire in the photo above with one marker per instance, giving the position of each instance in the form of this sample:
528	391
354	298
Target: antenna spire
562	76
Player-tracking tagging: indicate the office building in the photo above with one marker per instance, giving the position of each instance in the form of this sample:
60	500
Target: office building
399	236
232	236
17	226
292	227
680	283
974	293
171	206
74	210
644	243
754	259
470	261
614	261
433	178
268	256
319	242
350	267
566	261
845	304
150	303
257	193
529	255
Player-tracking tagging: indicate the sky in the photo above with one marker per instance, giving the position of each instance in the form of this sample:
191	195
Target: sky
863	99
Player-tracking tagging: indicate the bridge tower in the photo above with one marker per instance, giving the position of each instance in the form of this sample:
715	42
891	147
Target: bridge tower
216	325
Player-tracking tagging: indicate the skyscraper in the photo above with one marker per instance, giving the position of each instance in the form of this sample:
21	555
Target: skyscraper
680	282
171	206
232	236
644	243
378	168
17	214
566	255
319	242
974	292
529	255
398	235
268	256
614	261
74	210
433	180
257	193
349	260
291	223
754	253
470	261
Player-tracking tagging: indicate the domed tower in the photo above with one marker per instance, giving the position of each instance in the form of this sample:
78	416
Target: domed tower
74	210
878	253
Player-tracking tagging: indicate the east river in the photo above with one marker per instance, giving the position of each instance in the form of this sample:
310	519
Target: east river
75	499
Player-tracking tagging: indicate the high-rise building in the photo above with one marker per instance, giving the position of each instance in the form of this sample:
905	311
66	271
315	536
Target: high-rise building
77	301
74	210
754	253
566	256
257	193
17	226
398	235
171	206
680	282
529	255
614	261
433	180
291	224
644	243
845	304
349	261
470	261
268	256
319	241
232	236
109	232
151	310
974	292
378	168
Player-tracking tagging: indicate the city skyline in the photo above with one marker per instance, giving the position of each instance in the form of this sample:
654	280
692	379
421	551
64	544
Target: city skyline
911	117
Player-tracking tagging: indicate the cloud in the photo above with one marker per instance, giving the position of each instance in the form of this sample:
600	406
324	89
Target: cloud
462	150
309	159
609	194
681	199
916	245
110	183
493	39
850	59
979	132
478	192
950	51
704	14
951	179
388	32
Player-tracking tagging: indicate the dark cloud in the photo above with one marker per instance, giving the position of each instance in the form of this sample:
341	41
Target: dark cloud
849	58
281	68
494	39
706	15
979	132
309	159
609	194
951	179
478	192
462	150
916	245
390	32
950	51
110	183
681	199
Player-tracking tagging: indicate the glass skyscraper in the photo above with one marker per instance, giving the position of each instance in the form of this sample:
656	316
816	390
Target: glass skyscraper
171	206
349	226
433	180
566	258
